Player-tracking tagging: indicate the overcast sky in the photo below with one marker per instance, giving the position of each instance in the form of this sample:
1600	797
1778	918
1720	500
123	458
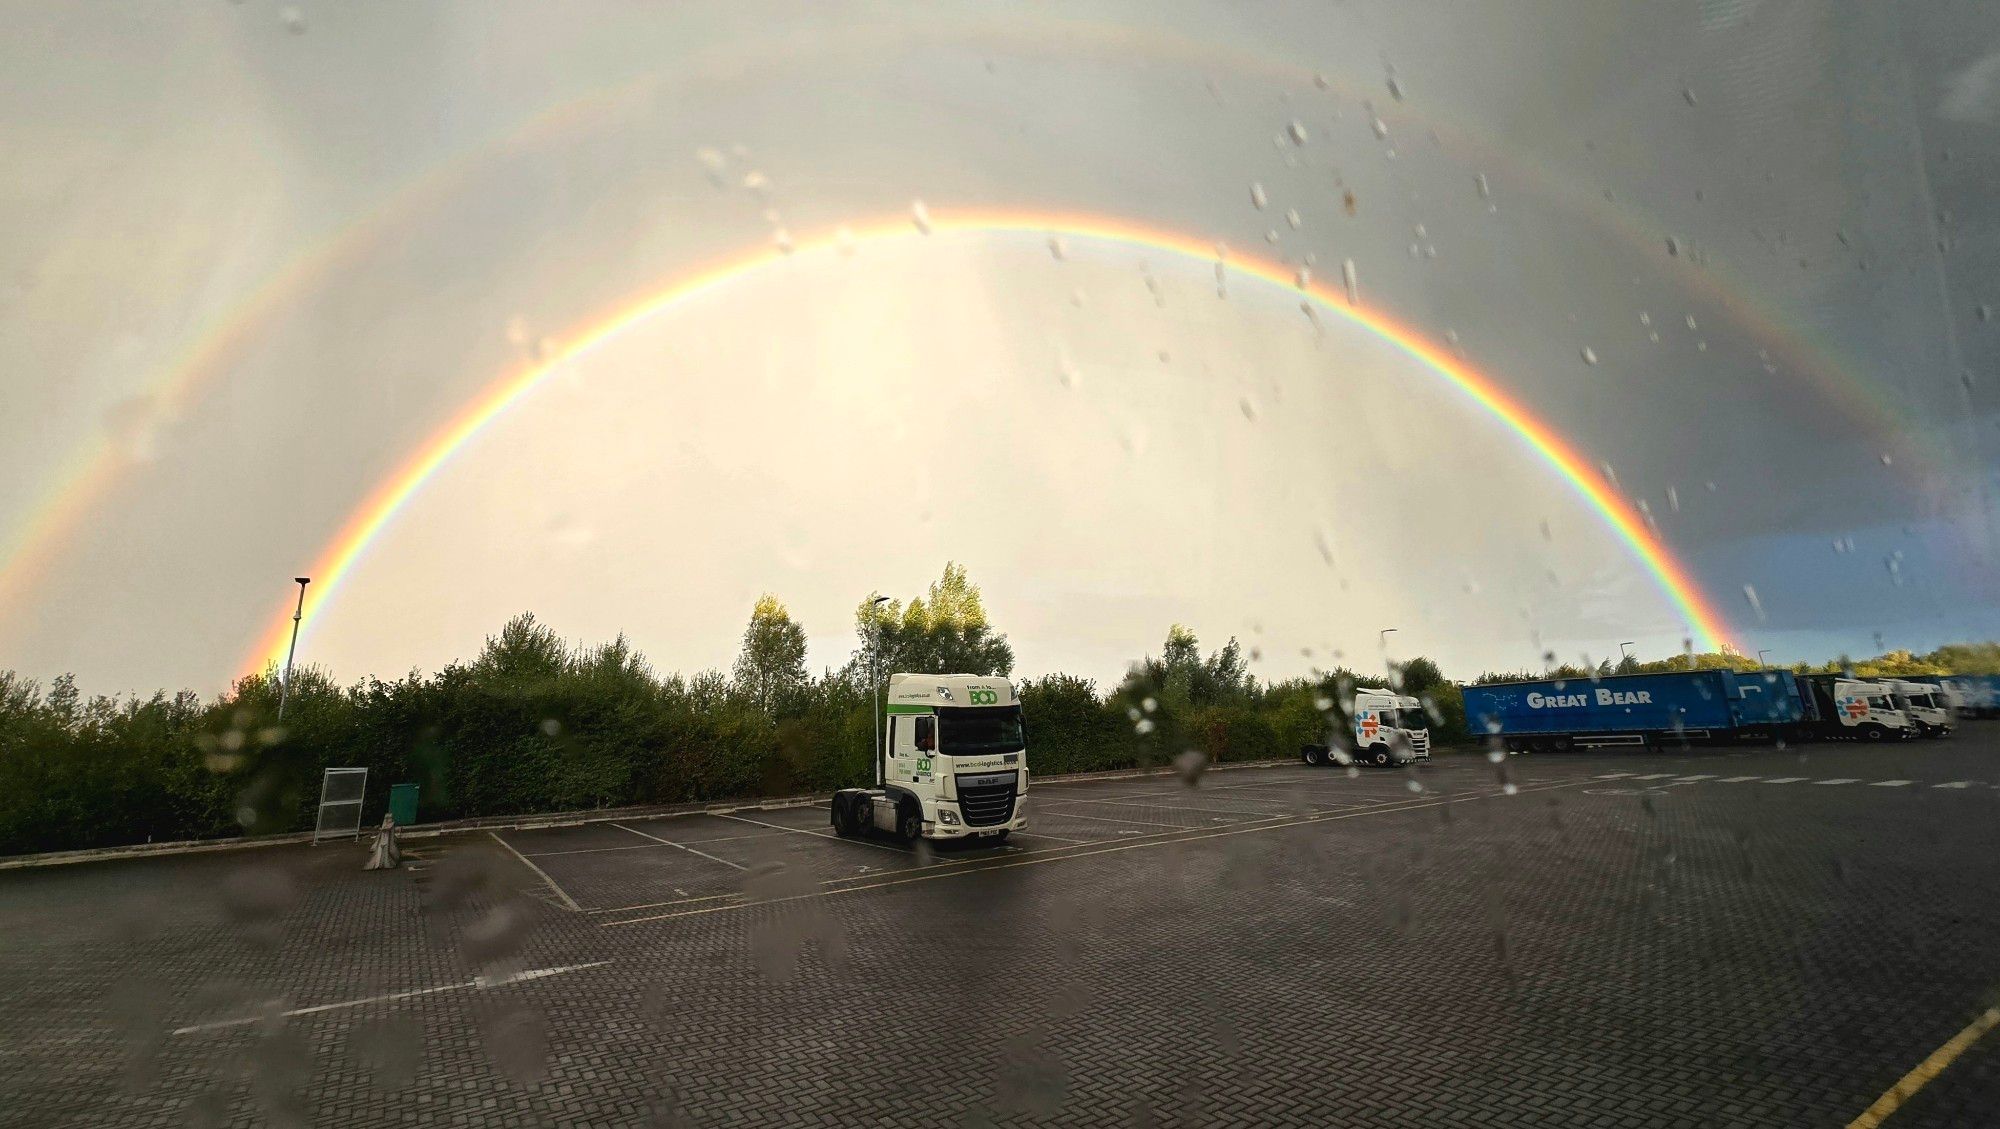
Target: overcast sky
259	252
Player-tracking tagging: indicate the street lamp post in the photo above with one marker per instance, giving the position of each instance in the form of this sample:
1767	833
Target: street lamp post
875	683
299	613
1761	652
1624	649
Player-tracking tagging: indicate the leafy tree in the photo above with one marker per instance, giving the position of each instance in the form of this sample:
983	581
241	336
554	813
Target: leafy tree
771	668
948	632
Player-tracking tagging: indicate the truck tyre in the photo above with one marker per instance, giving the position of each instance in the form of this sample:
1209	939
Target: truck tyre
850	818
1873	733
910	822
1312	755
1379	756
1002	837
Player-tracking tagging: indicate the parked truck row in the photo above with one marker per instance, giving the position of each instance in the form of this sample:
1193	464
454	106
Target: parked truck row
1714	706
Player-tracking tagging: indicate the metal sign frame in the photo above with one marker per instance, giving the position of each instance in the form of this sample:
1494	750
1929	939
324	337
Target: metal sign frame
343	775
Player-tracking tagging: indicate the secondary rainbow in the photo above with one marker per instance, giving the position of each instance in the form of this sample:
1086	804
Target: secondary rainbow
92	472
367	522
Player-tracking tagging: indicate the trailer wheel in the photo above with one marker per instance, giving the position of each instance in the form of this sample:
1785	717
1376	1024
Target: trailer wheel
1312	755
1379	756
910	822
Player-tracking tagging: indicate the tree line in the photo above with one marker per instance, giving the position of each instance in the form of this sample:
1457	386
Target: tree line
536	724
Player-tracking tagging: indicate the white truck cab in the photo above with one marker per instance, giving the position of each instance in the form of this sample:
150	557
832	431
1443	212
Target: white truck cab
1926	705
1853	708
1388	728
953	763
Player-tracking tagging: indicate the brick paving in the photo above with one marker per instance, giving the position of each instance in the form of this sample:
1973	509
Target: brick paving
1284	946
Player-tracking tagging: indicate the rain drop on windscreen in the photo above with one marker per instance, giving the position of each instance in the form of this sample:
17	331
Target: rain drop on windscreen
1756	605
1257	197
1589	355
1352	281
1380	127
920	216
1297	131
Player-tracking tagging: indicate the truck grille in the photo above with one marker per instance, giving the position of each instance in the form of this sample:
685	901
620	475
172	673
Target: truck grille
986	799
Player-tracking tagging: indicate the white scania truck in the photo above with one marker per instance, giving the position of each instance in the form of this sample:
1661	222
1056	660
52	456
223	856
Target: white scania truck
1389	728
953	763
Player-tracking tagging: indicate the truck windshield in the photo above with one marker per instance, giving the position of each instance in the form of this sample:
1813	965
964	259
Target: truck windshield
1411	719
969	731
1880	702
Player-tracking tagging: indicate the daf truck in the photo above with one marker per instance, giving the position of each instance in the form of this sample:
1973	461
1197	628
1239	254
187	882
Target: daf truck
952	765
1389	728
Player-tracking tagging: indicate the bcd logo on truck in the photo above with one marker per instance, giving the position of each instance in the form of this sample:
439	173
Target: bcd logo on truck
982	697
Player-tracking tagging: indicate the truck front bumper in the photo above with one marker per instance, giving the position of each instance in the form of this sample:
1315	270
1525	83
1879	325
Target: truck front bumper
947	822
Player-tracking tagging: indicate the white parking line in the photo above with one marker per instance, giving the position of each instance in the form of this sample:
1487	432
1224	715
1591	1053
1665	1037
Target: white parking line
1697	776
1737	779
816	834
633	847
1654	776
1167	807
1783	779
1840	780
1044	835
543	874
1612	775
682	846
481	982
1957	784
1108	819
1892	783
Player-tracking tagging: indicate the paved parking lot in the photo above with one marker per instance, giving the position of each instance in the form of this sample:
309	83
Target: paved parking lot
1750	936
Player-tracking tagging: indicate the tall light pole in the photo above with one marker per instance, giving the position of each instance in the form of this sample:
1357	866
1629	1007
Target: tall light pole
299	613
1760	657
875	682
1383	637
1624	649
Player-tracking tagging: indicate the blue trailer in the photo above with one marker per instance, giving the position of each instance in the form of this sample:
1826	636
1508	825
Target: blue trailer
1638	710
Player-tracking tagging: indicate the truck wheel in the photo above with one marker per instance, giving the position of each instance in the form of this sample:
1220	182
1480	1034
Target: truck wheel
1002	837
1379	757
1874	733
910	822
850	817
1312	755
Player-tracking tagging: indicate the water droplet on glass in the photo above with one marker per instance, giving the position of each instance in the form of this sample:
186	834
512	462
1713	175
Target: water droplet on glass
1271	236
1056	248
1485	186
1143	726
783	239
1249	410
1756	605
1395	88
1887	460
1688	94
1257	197
1221	281
921	216
1325	543
1691	322
1985	312
756	181
843	240
295	20
1319	80
1292	217
1297	131
1589	355
1352	281
1673	499
1673	246
1303	278
1645	318
1166	357
1380	127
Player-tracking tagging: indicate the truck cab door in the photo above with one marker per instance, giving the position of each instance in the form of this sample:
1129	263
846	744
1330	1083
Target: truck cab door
907	761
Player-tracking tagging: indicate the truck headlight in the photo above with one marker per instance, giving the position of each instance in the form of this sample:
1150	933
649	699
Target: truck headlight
948	817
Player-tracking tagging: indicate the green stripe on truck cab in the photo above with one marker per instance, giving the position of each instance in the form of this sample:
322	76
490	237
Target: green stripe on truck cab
894	708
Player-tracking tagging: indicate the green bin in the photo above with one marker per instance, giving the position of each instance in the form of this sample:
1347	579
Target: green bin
403	804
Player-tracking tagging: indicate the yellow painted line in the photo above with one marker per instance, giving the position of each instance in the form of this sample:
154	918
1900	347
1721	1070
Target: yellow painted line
1930	1068
929	873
